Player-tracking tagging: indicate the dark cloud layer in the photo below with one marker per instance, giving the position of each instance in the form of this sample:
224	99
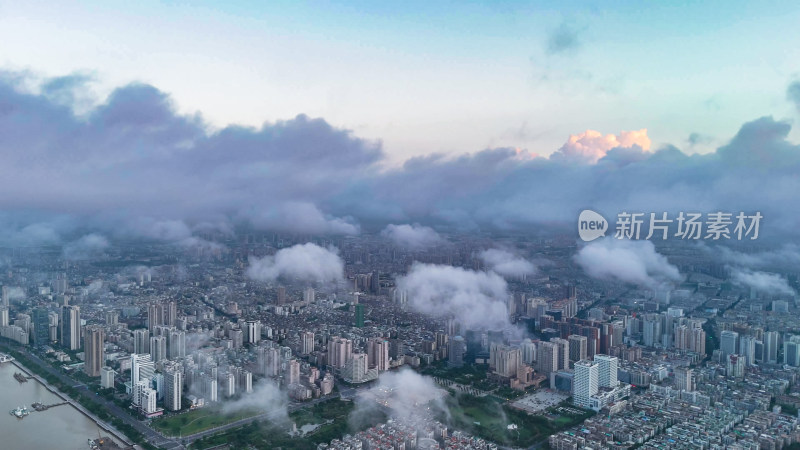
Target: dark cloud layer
133	166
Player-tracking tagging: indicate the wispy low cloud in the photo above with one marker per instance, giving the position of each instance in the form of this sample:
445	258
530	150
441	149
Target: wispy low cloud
88	246
763	282
412	237
475	299
267	397
635	262
303	262
507	263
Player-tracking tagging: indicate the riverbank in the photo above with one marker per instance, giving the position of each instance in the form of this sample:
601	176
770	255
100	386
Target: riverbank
116	434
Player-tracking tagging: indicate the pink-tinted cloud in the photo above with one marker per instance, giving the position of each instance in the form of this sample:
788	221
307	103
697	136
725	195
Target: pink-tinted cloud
592	145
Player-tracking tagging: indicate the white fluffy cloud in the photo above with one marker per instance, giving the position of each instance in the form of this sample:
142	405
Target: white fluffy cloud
403	392
476	299
628	261
507	263
413	237
303	262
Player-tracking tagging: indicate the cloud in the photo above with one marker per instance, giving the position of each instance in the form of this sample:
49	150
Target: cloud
15	293
590	146
793	94
266	396
563	39
403	392
775	259
507	263
763	282
305	262
132	167
476	299
88	246
302	218
413	237
629	261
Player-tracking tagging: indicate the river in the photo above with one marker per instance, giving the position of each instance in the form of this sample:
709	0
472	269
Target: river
62	427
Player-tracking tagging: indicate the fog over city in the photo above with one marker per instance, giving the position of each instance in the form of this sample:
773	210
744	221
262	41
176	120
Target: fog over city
400	225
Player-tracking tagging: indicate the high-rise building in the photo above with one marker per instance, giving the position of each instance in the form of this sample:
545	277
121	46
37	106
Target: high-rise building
684	379
252	331
585	383
736	366
577	348
562	346
378	354
170	313
698	341
177	344
747	348
652	330
53	324
173	380
41	326
4	319
269	361
245	381
771	343
606	370
155	316
228	384
209	385
158	348
112	318
456	350
306	342
357	369
728	343
309	296
339	351
507	361
6	297
141	341
107	377
528	352
94	353
359	315
142	368
791	351
292	376
71	327
281	300
547	356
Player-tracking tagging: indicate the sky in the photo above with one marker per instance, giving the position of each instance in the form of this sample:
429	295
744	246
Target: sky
166	120
432	77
